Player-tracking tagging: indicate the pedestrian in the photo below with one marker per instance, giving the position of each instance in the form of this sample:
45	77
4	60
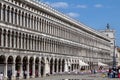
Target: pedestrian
118	72
9	74
1	76
25	74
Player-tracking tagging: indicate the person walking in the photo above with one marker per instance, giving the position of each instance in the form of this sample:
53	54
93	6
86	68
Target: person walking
118	72
1	76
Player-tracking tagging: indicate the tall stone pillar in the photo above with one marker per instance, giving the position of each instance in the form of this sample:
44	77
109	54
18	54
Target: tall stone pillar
21	70
57	69
61	66
65	67
1	13
2	39
33	68
13	71
5	70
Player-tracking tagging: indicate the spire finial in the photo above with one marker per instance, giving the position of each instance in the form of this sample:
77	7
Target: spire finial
108	26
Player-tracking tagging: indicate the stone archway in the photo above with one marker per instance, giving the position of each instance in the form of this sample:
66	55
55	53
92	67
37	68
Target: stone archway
51	66
10	62
2	62
31	66
25	63
63	65
18	65
37	67
55	65
42	66
10	66
59	65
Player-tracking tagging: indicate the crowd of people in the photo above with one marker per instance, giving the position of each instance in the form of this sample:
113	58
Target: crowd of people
114	72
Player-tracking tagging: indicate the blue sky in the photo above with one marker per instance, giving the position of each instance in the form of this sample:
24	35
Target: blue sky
93	13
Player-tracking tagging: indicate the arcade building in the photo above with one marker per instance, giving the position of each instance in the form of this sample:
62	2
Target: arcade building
39	40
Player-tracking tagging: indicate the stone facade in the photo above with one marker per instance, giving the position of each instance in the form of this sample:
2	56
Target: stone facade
40	40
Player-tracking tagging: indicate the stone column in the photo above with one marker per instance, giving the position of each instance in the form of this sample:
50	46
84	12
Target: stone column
33	68
1	13
21	70
13	71
61	66
24	20
2	39
57	69
21	37
5	70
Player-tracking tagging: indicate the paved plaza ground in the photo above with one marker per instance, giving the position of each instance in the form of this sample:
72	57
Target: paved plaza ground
76	77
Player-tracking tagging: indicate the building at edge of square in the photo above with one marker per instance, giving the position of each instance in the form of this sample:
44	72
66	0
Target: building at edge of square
39	40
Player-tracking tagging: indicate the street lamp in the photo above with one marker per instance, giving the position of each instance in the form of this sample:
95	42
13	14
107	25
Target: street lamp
114	55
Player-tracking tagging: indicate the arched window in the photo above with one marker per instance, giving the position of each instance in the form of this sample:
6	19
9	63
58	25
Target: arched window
4	12
19	17
8	38
12	15
8	13
0	36
32	22
16	16
12	39
0	10
26	20
22	19
19	40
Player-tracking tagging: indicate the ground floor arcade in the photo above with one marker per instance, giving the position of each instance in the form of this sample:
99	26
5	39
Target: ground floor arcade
36	66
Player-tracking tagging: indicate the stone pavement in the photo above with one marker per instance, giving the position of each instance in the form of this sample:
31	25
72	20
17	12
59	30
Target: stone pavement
76	77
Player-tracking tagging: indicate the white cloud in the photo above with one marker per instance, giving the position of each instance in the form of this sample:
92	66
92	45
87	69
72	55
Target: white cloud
58	4
98	5
72	14
82	6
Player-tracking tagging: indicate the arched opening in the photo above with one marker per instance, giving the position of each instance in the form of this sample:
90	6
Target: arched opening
8	13
17	65
42	66
51	66
72	67
31	66
2	61
59	65
37	67
25	63
9	67
55	65
4	12
0	36
63	65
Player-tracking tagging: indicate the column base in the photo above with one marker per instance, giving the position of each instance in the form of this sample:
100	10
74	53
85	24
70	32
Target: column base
5	78
13	78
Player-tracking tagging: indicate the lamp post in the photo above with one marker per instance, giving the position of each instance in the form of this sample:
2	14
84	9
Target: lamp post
114	55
